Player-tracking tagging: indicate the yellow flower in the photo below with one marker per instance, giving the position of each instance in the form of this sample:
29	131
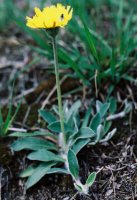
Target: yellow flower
50	17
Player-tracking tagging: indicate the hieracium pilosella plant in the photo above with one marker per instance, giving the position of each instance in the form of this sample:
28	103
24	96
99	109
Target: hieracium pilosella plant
52	18
55	149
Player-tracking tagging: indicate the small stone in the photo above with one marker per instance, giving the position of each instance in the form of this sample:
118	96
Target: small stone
109	192
66	198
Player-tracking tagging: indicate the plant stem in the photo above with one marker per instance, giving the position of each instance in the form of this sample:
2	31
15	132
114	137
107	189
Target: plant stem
59	91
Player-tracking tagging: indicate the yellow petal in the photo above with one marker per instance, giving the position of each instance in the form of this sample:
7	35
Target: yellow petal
37	11
51	17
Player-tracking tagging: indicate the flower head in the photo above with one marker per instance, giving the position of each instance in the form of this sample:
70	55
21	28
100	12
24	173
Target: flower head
50	17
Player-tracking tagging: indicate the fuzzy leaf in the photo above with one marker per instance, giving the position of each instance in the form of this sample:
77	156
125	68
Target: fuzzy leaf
96	120
73	110
107	126
102	108
47	116
57	170
84	132
99	135
80	144
55	127
31	134
109	135
73	164
32	144
91	179
27	172
44	155
38	173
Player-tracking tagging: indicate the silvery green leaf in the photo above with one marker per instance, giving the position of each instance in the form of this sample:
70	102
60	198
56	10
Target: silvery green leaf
75	126
96	120
109	135
38	173
107	126
44	155
102	108
27	172
32	143
56	127
79	144
99	134
91	179
47	116
65	109
31	134
73	164
86	118
98	105
57	170
73	110
84	133
75	131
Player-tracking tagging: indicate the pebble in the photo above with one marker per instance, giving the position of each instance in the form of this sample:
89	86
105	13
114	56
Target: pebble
66	198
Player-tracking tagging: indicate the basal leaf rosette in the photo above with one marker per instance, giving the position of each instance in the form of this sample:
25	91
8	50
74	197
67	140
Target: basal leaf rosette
50	17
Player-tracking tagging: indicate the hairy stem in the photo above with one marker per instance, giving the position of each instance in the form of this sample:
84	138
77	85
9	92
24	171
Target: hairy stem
59	91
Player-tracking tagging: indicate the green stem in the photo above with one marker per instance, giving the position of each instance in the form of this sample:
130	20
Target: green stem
59	91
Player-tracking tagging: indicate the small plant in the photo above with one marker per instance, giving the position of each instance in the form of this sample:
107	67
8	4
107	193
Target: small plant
51	153
48	148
